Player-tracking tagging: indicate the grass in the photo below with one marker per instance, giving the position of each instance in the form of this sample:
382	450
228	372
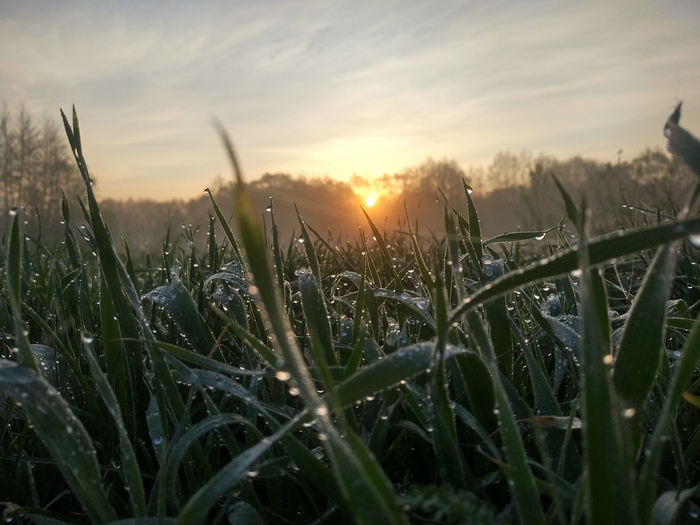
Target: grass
387	380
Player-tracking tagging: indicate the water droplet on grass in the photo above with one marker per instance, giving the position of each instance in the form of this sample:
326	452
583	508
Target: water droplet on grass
283	375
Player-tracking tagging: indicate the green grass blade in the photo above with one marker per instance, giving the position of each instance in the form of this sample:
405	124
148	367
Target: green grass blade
227	229
474	237
603	249
640	351
276	250
309	248
522	486
179	305
63	435
205	498
130	467
683	373
384	249
317	324
607	474
403	364
450	462
363	483
25	356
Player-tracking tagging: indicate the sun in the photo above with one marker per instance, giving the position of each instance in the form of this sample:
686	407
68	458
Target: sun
371	200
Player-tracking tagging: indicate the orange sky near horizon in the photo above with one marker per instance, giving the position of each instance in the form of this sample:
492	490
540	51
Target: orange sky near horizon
312	88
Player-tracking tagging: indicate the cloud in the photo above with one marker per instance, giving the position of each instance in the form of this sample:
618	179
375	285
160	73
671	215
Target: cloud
312	87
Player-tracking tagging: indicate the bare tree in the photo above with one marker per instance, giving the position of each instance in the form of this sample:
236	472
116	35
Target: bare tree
35	166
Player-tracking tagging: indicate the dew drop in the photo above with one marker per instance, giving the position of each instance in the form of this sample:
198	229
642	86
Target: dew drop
283	375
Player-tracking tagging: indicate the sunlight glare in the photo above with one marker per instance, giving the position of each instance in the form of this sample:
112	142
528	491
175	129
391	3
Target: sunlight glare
371	200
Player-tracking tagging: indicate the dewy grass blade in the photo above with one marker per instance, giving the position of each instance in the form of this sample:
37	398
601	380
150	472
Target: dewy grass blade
309	248
474	237
640	351
63	435
317	324
364	485
402	364
179	305
546	403
450	462
227	229
608	480
120	288
615	245
130	467
205	498
25	355
276	250
522	481
683	372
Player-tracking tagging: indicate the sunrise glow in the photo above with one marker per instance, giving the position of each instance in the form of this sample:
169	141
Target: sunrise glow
371	200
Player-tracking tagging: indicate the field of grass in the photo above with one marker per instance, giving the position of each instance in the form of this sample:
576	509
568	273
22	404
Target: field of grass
388	380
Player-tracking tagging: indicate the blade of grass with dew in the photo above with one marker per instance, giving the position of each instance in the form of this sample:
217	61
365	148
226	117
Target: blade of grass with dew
130	470
64	351
546	403
308	463
179	305
63	435
450	462
641	348
522	482
602	249
112	347
314	308
268	354
276	250
227	229
480	388
309	248
109	265
404	363
25	356
199	505
384	249
207	363
684	369
610	498
519	236
416	305
364	485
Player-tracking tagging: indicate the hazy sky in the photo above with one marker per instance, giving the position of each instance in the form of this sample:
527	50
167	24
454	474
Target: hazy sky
346	87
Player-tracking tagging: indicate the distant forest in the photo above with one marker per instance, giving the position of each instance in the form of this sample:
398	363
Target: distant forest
516	192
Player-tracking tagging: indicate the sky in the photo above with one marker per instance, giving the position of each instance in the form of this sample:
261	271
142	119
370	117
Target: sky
321	88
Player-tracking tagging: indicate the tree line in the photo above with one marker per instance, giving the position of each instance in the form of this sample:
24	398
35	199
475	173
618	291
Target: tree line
515	192
35	168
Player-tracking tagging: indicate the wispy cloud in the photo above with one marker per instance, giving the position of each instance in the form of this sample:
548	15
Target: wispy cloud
321	88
